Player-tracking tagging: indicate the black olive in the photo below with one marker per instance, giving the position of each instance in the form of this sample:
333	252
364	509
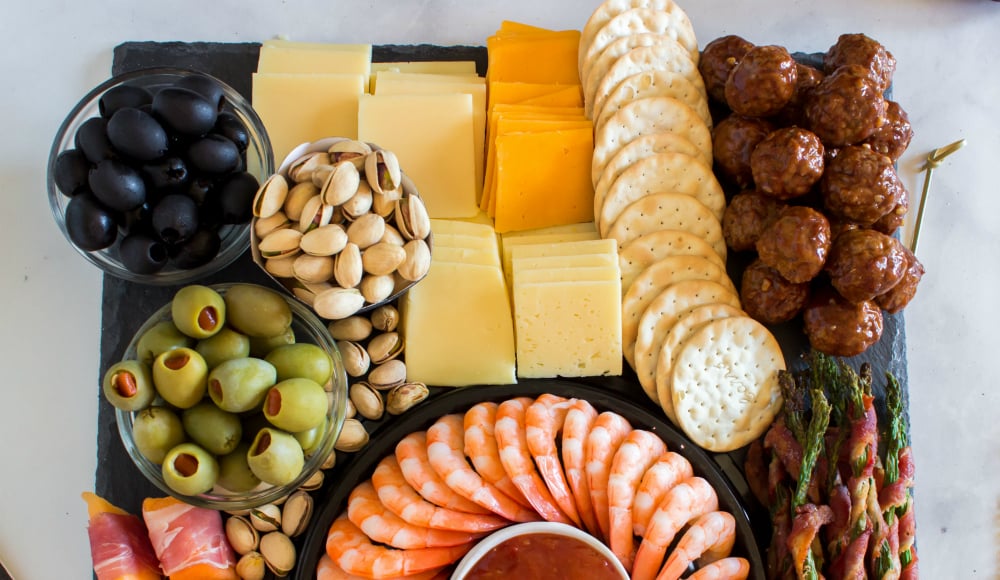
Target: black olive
167	175
92	139
70	171
231	127
197	251
123	96
202	189
184	111
142	254
175	218
214	154
90	225
117	185
204	86
236	198
137	134
138	220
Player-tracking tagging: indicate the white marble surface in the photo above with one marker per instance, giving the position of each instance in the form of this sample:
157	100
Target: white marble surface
948	79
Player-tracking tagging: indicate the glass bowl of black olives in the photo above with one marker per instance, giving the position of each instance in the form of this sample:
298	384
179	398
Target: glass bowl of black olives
152	174
229	397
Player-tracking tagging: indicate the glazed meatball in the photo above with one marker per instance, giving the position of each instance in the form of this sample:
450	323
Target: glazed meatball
766	296
747	215
863	51
900	295
787	163
893	220
860	185
838	327
846	107
719	58
893	137
807	78
796	244
762	83
864	263
733	141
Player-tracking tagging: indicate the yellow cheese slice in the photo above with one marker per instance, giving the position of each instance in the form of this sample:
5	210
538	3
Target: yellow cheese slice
566	96
561	229
444	67
465	256
445	240
331	46
575	274
461	227
507	92
508	244
556	262
566	248
534	57
305	60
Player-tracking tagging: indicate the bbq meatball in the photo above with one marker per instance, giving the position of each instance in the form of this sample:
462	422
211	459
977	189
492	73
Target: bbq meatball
858	49
860	185
733	141
893	220
787	163
900	295
796	243
893	137
846	107
807	78
718	59
766	296
839	327
864	263
762	83
747	215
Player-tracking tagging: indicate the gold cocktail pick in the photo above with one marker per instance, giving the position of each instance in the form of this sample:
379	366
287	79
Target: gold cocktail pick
934	159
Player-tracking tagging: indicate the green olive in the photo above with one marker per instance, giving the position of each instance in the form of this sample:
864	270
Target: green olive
214	429
161	337
311	439
302	360
257	311
155	431
275	457
224	345
239	385
234	471
296	405
180	377
198	311
128	386
260	346
189	470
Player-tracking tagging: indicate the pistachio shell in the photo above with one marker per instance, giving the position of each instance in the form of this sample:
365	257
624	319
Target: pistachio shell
302	168
367	400
349	266
297	512
392	236
315	214
405	396
352	411
324	241
313	268
264	226
382	258
366	230
330	461
349	148
417	261
353	436
412	218
270	196
320	176
385	318
382	171
384	347
297	198
337	303
384	204
251	566
359	204
280	243
355	328
242	536
341	184
312	483
278	552
355	357
304	294
266	518
375	289
387	375
280	267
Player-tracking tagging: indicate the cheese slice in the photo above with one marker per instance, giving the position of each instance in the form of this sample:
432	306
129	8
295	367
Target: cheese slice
566	96
534	57
509	244
445	240
570	274
331	46
556	262
465	256
461	227
447	67
289	58
560	229
565	248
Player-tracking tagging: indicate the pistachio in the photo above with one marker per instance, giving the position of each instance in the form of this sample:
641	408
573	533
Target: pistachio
359	204
355	357
297	512
270	196
330	461
349	266
356	328
297	198
302	168
382	258
242	536
337	303
392	236
312	483
350	150
412	218
341	184
382	171
367	400
313	268
320	176
376	289
366	230
384	204
266	518
264	226
385	318
385	347
280	243
352	411
315	213
387	375
324	241
353	436
316	287
304	294
405	396
417	260
278	552
280	267
251	566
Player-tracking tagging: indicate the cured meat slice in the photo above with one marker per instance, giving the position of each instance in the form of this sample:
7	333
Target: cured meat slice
119	546
189	541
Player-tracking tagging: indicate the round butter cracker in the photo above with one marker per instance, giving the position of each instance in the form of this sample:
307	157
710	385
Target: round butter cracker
599	67
636	255
668	211
608	10
657	83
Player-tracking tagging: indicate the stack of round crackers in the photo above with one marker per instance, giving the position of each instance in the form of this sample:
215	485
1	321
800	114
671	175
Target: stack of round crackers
710	367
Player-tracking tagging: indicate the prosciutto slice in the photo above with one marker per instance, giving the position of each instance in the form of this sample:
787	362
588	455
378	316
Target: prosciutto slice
189	541
119	546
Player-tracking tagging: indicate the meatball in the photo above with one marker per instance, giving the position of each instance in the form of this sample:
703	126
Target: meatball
787	163
796	244
900	295
747	215
766	296
718	59
860	185
733	141
858	49
864	263
807	78
893	220
839	327
846	107
893	137
762	83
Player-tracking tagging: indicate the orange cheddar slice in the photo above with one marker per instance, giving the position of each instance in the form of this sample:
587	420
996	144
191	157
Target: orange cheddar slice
565	96
539	57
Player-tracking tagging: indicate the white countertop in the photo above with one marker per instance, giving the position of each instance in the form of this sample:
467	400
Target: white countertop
948	80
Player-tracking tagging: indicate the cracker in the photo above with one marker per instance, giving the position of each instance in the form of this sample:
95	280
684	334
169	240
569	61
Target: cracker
674	340
608	10
600	65
725	383
657	83
636	255
668	211
661	173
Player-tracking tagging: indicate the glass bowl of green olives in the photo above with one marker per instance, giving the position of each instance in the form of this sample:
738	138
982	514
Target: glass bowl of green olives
229	397
152	174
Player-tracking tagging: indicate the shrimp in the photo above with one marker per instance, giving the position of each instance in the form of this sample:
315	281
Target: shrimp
516	459
687	500
635	455
411	452
710	537
543	421
355	553
327	569
579	420
381	525
445	452
668	470
609	431
481	447
401	499
724	569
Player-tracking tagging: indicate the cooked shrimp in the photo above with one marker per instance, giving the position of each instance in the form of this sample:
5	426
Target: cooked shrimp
411	452
687	500
327	569
543	421
668	470
510	434
481	447
401	499
354	553
610	430
634	456
445	452
579	421
724	569
381	525
710	537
